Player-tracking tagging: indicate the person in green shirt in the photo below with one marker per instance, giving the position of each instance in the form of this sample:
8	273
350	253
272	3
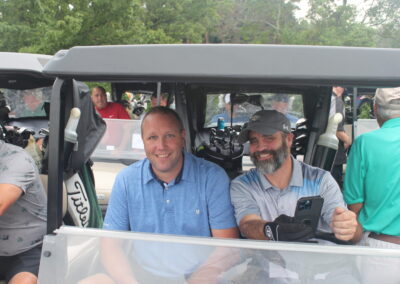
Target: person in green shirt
372	186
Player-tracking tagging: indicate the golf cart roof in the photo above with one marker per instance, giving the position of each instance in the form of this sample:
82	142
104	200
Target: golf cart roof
23	70
301	65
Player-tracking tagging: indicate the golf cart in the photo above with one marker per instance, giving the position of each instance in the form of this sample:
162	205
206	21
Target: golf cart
199	77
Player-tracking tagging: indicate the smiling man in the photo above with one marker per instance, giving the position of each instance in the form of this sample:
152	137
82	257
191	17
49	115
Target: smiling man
265	198
171	191
107	109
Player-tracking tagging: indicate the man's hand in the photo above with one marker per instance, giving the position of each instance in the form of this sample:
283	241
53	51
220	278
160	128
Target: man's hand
285	228
342	136
344	224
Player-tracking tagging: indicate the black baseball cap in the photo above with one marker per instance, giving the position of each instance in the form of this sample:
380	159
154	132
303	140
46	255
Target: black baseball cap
266	122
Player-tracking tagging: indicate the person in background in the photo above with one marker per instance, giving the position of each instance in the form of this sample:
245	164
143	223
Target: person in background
163	99
280	102
23	214
107	109
372	186
337	106
230	114
117	137
33	104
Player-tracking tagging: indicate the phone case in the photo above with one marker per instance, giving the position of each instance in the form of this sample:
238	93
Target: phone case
308	210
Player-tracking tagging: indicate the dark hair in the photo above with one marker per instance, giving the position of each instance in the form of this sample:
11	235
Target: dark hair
162	94
101	89
165	96
164	111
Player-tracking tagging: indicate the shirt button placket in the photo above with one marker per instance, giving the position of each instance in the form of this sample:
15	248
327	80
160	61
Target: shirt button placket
167	199
281	203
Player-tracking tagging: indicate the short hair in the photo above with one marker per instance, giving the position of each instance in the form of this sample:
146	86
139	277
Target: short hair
164	95
164	111
101	89
385	113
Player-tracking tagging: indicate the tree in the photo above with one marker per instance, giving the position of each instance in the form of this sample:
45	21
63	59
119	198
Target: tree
18	22
255	21
334	24
187	21
383	15
48	26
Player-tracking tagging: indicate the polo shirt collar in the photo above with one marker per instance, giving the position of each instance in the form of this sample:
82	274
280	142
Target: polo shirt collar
295	180
297	175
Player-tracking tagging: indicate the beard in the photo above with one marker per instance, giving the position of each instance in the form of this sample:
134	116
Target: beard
267	167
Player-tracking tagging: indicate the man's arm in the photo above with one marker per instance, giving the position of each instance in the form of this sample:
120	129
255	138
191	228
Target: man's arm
221	215
356	207
247	212
252	227
342	136
220	261
9	194
232	233
116	262
341	133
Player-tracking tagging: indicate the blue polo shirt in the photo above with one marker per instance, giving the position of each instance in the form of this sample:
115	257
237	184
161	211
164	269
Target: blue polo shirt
197	203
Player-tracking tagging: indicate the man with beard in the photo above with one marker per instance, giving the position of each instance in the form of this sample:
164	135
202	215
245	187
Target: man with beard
266	196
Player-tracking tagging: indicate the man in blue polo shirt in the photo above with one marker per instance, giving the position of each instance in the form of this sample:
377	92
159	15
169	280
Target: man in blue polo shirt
265	198
169	192
372	186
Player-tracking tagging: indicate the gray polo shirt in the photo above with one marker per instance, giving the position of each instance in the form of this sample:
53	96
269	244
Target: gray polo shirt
23	225
251	193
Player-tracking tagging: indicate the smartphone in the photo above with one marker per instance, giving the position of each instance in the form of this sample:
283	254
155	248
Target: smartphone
308	210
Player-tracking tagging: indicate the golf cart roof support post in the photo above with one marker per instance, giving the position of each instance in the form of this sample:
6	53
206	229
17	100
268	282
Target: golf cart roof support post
76	94
56	158
354	124
158	93
181	106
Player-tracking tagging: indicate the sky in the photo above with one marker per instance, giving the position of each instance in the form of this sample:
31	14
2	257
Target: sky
361	4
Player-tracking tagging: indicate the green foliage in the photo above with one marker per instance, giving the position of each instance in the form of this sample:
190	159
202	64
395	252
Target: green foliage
334	25
254	21
46	26
365	111
182	21
384	16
